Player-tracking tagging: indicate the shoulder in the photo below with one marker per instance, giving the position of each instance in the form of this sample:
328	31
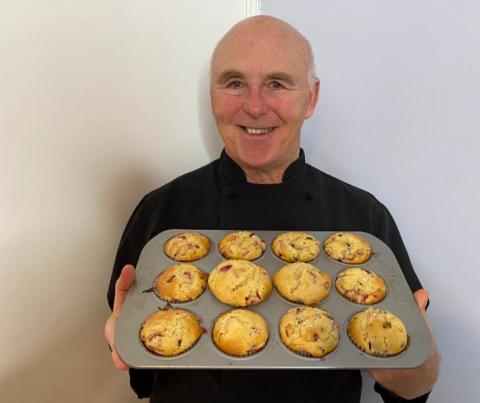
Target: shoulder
340	191
199	180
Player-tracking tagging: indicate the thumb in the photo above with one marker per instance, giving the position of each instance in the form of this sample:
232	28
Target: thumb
421	298
123	283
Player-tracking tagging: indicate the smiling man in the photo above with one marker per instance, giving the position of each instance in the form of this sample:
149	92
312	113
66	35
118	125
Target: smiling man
261	101
263	87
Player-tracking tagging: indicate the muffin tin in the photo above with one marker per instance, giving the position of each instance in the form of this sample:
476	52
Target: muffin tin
275	355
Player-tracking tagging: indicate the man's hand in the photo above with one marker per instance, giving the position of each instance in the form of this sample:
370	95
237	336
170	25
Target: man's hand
414	382
126	279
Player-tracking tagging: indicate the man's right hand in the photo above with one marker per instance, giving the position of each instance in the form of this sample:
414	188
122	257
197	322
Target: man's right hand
126	279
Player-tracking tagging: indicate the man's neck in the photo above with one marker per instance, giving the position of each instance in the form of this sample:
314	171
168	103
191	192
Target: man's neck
267	176
264	178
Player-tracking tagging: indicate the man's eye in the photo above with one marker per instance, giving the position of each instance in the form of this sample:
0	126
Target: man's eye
235	84
275	85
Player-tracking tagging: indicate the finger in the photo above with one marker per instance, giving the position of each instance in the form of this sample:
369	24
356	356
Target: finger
123	283
108	331
119	363
421	298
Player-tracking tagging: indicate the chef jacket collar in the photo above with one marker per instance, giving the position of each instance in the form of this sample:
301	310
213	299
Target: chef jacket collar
230	173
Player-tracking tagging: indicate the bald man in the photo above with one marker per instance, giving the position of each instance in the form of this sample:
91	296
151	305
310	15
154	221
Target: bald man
263	86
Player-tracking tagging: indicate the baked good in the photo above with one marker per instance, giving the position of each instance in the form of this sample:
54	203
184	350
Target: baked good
187	247
240	332
170	331
378	332
240	283
361	286
309	331
302	283
347	248
242	245
296	247
181	283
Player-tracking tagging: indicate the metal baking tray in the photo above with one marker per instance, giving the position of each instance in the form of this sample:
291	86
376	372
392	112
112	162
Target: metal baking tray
275	355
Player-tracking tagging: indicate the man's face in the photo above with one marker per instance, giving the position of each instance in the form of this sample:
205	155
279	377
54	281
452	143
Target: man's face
260	97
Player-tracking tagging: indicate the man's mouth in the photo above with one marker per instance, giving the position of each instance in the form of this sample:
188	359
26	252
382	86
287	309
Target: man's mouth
256	130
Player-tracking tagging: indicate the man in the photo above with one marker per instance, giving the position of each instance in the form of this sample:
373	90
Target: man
263	87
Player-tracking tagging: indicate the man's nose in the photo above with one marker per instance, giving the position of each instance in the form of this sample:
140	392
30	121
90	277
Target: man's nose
255	103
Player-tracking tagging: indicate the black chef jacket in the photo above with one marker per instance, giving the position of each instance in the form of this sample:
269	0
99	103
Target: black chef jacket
217	196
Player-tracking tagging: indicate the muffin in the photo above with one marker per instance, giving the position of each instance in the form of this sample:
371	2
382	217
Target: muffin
187	247
242	245
361	286
180	283
309	331
240	283
296	247
347	248
378	332
240	332
170	331
302	283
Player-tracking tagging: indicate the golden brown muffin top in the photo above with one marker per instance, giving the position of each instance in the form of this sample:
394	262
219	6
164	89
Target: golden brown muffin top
347	248
181	283
378	332
240	283
296	247
361	286
170	331
309	331
243	245
303	283
187	247
240	332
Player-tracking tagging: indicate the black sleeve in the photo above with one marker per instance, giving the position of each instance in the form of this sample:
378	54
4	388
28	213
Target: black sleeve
388	232
390	397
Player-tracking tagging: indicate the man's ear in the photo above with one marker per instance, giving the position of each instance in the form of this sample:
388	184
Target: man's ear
313	99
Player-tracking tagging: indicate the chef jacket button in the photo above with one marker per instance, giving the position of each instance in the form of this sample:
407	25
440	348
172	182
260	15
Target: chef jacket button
309	196
232	196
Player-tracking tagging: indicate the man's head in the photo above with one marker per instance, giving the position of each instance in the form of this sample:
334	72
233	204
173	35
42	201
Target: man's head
263	87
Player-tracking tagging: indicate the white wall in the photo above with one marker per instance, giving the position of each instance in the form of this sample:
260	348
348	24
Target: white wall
100	102
399	116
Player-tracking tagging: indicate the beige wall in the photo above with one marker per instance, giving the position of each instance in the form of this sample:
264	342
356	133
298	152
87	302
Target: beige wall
98	100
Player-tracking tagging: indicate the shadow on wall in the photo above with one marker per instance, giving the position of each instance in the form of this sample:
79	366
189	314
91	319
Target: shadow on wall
208	130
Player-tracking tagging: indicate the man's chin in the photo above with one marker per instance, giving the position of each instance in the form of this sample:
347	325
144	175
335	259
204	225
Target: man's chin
256	161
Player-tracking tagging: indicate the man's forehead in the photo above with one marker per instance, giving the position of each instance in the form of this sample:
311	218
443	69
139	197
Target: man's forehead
256	39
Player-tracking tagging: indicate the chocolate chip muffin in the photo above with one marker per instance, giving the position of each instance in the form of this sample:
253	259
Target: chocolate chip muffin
309	331
361	286
296	247
187	247
170	331
378	332
347	248
302	283
240	283
180	283
243	245
240	332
